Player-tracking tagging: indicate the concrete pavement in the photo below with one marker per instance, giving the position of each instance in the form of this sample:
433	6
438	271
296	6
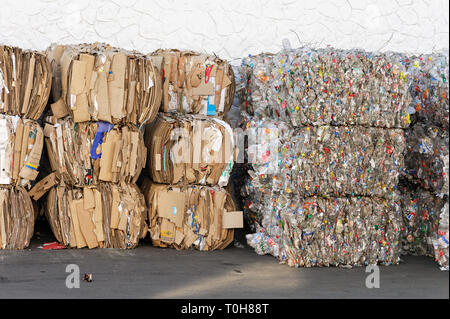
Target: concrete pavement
149	272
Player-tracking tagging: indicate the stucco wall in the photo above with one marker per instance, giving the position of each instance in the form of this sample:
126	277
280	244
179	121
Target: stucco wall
231	29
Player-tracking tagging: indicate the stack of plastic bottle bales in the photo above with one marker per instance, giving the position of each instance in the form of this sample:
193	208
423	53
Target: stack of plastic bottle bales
25	82
190	154
426	179
326	141
101	97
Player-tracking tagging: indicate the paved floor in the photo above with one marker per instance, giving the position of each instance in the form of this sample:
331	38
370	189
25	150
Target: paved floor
149	272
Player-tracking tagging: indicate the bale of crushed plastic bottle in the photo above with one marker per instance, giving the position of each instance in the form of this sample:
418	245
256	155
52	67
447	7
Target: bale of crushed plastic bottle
427	157
328	86
425	216
325	160
326	231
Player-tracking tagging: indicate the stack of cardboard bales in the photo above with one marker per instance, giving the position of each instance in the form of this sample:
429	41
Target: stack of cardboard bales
426	178
190	154
326	144
101	97
25	83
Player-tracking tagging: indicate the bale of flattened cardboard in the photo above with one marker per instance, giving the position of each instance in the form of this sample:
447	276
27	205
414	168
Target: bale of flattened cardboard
16	218
192	216
106	215
97	82
21	143
189	149
195	83
89	152
25	82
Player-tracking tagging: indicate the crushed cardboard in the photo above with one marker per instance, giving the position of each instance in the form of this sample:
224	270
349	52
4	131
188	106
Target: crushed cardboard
194	83
90	152
25	82
97	82
21	143
200	217
106	215
188	149
16	218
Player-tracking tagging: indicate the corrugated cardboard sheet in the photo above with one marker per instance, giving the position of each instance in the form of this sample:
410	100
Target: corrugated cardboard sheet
189	149
16	218
89	152
195	216
97	82
21	142
25	82
105	216
195	83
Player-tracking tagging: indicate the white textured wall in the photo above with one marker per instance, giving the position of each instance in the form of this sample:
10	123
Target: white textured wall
231	29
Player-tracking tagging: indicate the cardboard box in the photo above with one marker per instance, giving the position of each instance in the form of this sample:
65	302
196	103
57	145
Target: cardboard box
25	82
189	149
97	82
188	216
16	218
195	83
90	152
105	216
21	143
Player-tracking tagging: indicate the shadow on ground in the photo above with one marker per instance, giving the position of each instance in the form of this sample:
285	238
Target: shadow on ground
149	272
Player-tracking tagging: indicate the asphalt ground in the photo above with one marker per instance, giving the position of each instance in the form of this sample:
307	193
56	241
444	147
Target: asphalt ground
150	272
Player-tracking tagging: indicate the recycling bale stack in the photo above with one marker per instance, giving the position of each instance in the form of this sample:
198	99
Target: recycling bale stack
100	98
426	177
190	154
25	83
326	144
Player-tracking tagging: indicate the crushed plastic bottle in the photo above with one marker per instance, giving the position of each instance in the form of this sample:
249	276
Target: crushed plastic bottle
421	215
326	191
440	241
327	86
319	231
427	158
326	160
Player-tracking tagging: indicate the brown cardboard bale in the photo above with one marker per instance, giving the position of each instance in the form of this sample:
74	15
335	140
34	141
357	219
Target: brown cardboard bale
90	152
97	82
189	149
21	143
195	83
78	220
16	218
25	82
189	216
